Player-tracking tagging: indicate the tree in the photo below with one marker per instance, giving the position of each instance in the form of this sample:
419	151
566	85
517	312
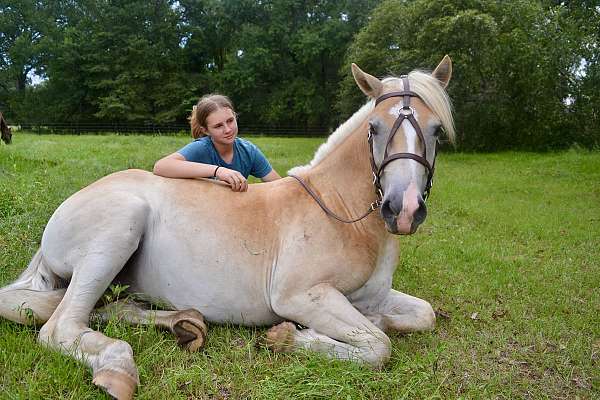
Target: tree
513	64
278	60
21	46
111	61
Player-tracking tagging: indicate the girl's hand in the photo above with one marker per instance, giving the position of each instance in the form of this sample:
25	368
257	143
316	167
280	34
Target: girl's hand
236	180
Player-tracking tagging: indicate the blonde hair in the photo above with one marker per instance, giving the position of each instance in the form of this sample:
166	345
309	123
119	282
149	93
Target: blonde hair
207	104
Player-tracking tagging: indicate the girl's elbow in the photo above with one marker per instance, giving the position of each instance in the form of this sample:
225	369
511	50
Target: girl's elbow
158	168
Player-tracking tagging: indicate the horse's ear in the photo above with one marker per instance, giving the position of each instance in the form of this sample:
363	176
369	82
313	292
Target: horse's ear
443	72
370	85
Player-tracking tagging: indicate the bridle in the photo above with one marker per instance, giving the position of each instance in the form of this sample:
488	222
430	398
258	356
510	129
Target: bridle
406	113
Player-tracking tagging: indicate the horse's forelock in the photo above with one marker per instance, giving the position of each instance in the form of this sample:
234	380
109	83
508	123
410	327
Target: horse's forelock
433	95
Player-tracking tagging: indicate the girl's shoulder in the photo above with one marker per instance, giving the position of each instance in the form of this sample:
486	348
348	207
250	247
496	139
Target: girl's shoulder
202	140
245	143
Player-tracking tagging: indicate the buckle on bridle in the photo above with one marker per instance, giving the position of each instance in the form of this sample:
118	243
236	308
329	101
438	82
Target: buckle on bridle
406	111
375	205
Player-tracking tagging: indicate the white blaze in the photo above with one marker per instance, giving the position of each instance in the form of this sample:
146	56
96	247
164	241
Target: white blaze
409	132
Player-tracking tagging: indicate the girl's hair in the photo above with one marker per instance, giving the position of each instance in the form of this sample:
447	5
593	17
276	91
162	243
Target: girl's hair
207	104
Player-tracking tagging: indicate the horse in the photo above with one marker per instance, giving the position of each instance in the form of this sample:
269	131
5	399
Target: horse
265	257
5	131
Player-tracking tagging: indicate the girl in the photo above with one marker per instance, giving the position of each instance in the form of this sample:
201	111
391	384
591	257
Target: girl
217	152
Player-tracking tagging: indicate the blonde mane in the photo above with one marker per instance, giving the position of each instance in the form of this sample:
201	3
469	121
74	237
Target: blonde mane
338	136
422	83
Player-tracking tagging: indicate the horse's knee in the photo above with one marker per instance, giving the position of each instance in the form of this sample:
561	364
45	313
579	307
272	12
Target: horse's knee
425	316
404	313
378	352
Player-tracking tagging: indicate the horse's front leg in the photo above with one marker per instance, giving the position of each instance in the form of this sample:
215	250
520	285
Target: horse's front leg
399	312
336	328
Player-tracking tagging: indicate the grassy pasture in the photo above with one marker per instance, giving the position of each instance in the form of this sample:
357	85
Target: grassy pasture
509	257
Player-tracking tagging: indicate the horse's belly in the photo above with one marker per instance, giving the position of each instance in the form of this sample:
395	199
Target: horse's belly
224	288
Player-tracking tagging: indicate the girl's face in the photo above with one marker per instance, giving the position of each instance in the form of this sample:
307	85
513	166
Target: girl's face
221	126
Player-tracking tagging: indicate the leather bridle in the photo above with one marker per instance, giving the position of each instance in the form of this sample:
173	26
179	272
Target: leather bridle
407	112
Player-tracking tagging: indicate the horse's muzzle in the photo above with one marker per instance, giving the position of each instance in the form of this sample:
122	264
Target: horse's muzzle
403	212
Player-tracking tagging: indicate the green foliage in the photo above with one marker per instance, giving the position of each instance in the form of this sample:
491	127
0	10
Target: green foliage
278	60
21	46
526	73
514	66
150	60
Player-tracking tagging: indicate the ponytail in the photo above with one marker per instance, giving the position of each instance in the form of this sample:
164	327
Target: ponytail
195	124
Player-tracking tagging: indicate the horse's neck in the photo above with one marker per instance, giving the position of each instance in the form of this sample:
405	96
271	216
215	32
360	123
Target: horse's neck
343	177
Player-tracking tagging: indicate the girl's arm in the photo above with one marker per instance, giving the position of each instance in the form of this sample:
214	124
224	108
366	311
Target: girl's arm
176	166
271	176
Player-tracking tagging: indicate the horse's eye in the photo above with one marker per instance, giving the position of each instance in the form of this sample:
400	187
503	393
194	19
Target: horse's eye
438	132
372	130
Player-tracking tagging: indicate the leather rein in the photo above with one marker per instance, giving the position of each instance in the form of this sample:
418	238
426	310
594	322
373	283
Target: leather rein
407	112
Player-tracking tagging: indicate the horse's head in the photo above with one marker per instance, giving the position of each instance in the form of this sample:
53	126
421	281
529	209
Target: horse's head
404	129
5	130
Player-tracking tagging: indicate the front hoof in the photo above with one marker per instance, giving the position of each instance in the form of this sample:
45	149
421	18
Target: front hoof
280	338
119	385
189	327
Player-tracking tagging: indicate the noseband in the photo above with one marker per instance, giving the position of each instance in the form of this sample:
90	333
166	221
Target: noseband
406	113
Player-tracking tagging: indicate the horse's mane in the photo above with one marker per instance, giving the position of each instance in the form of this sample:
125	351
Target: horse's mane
337	137
422	83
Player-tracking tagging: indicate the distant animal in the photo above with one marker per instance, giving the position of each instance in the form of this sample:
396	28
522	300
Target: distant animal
269	256
5	131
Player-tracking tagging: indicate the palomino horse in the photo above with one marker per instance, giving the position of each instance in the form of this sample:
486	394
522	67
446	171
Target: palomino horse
263	257
5	132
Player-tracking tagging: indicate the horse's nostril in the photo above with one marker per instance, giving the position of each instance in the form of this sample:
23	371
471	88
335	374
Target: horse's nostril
388	209
421	212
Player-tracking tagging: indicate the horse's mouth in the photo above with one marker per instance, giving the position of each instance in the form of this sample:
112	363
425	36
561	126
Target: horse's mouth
397	228
403	223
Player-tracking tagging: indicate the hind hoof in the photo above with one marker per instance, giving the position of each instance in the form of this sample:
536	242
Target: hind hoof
280	338
189	327
119	385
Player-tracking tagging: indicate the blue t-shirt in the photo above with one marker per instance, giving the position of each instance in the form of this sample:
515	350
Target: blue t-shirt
247	158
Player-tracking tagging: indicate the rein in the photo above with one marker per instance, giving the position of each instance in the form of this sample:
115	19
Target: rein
374	206
406	113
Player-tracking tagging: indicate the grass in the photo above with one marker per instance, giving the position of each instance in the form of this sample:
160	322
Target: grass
509	257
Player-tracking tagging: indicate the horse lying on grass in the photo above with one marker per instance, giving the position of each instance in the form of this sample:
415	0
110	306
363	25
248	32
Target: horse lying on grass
263	257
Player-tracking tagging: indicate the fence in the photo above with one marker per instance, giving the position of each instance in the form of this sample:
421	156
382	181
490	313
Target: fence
155	129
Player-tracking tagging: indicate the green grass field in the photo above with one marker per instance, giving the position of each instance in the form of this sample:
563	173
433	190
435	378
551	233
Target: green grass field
509	257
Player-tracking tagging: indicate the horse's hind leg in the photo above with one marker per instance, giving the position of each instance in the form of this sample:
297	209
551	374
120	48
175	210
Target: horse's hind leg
187	325
94	264
34	296
27	306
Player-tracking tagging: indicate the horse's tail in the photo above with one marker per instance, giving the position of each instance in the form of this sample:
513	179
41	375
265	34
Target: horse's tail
33	297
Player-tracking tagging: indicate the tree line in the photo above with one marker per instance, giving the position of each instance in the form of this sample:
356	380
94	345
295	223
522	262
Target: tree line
527	73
